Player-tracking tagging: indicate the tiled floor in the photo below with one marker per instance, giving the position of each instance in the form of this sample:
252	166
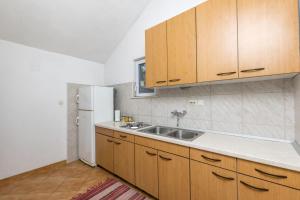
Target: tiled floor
57	183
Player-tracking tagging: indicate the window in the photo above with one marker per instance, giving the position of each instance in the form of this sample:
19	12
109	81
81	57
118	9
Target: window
140	89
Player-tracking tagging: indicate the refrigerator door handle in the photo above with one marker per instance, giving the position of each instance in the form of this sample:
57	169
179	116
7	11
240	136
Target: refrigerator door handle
77	98
77	121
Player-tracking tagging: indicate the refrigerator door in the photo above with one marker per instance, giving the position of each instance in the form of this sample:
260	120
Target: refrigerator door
86	98
103	104
86	137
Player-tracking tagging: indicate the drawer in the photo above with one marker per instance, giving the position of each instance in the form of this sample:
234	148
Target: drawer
124	136
250	188
269	173
104	131
163	146
218	160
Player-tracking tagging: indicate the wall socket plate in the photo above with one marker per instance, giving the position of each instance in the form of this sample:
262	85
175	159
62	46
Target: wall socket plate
197	102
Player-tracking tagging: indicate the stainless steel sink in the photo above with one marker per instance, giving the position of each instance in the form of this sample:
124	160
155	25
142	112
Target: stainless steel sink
181	134
157	130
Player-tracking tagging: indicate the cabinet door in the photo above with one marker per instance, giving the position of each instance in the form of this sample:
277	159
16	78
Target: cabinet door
124	160
156	56
217	40
212	183
181	37
255	189
174	177
105	152
146	175
268	37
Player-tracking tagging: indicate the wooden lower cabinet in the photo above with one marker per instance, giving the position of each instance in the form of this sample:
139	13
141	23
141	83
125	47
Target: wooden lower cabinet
124	160
146	172
256	189
105	152
212	183
174	177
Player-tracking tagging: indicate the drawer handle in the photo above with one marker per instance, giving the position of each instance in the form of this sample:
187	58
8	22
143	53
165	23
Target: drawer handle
272	175
151	154
165	158
253	70
210	159
223	177
108	140
253	187
160	82
174	80
123	136
117	143
226	74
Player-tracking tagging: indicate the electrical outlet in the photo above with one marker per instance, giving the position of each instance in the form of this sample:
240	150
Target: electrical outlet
197	102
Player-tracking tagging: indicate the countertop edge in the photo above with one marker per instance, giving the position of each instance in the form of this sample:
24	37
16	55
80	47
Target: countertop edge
191	145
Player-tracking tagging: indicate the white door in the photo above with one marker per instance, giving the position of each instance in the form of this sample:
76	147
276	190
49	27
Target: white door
86	137
86	98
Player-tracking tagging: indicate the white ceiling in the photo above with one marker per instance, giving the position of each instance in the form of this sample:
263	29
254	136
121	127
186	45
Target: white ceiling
88	29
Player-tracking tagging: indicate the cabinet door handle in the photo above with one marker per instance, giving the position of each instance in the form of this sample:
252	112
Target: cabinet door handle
117	143
223	177
108	140
151	154
254	187
160	82
272	175
210	159
123	136
165	158
174	80
253	70
226	74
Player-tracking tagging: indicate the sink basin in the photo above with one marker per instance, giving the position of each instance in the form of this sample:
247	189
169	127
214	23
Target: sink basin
157	130
176	133
184	134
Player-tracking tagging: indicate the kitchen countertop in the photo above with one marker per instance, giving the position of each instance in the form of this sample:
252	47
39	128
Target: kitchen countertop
279	154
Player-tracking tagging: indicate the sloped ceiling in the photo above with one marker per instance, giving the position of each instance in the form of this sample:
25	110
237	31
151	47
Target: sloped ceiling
87	29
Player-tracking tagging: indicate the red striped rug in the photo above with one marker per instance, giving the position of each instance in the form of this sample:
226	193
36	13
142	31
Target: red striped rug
111	189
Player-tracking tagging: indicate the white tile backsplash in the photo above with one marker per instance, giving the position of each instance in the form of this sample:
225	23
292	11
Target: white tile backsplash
264	108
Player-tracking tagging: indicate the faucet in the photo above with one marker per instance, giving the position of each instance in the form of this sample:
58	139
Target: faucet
178	115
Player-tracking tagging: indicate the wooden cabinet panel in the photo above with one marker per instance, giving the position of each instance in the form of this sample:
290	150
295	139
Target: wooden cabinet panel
146	174
214	159
217	40
268	37
124	160
105	152
105	131
124	136
212	183
156	56
270	173
174	177
254	189
163	146
181	37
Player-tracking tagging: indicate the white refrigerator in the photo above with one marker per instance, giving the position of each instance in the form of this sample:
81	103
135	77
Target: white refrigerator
95	104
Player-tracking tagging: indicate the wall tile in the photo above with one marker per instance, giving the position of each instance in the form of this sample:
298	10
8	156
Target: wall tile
263	109
227	108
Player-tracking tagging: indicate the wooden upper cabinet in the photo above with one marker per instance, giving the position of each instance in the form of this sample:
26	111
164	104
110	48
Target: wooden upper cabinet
268	37
156	56
181	37
217	40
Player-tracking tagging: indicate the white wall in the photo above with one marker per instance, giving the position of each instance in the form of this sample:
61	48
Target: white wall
297	107
120	67
33	117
